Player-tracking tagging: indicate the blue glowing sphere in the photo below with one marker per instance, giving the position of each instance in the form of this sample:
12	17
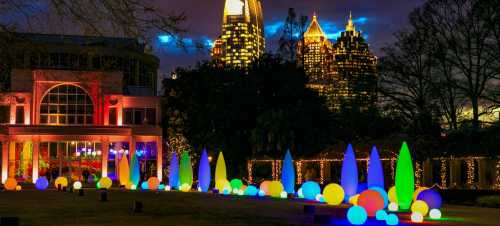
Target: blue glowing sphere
383	193
251	191
41	183
392	219
380	215
144	185
431	197
310	190
357	215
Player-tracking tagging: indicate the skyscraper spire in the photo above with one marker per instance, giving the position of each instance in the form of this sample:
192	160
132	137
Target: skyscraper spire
350	24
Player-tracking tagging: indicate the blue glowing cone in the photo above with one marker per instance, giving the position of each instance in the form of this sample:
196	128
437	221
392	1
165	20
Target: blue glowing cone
288	174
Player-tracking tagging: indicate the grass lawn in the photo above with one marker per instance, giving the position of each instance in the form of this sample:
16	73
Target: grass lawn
53	208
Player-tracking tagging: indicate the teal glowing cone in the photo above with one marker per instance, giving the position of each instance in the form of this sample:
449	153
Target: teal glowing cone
288	174
135	174
405	182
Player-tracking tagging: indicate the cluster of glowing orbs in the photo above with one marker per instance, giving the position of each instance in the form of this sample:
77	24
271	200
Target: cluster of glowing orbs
393	207
405	180
371	201
420	206
353	200
144	185
264	187
431	197
61	181
392	219
220	173
236	184
417	217
375	170
204	173
275	189
153	183
288	173
356	215
393	197
349	174
435	214
185	170
417	192
77	185
333	194
383	194
381	215
223	185
135	174
310	190
104	183
124	171
41	183
173	175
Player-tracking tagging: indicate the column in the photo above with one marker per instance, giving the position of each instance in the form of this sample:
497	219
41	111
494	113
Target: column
36	151
131	147
427	177
5	160
159	158
104	157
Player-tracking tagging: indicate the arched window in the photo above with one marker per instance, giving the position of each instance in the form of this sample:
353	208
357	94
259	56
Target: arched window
66	105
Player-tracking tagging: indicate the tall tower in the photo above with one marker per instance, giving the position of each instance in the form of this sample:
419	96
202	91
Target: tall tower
242	39
356	69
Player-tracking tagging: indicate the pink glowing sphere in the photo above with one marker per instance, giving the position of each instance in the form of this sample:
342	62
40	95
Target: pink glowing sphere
371	201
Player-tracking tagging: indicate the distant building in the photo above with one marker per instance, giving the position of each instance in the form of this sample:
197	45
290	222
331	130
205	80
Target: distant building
75	105
242	39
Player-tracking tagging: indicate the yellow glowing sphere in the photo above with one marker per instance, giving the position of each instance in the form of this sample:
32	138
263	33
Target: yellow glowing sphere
417	191
153	183
10	184
393	207
77	185
435	214
275	189
420	206
61	181
333	194
393	197
354	200
222	185
185	187
18	188
417	217
105	183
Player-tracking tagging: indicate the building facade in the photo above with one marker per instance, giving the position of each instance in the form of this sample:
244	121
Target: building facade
242	39
78	122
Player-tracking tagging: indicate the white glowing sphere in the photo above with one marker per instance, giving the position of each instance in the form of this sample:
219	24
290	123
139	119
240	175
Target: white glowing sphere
241	192
167	188
236	191
77	185
284	195
133	187
318	197
300	194
417	217
435	214
393	207
199	189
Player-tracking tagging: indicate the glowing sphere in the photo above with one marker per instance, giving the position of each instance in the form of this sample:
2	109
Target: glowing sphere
356	215
18	188
41	183
168	188
105	183
236	184
144	185
417	217
226	192
393	197
431	197
275	189
240	192
161	187
435	214
383	194
417	192
262	193
320	198
251	190
284	195
133	187
420	206
333	194
77	185
185	187
310	189
392	219
62	181
354	200
264	186
381	215
153	183
393	207
243	188
222	185
300	194
371	201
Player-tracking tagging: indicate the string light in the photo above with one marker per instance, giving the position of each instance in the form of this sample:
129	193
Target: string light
444	174
250	171
299	171
273	163
470	171
418	174
322	172
393	163
497	185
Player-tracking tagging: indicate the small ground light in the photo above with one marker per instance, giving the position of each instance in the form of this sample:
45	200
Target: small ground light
167	188
392	219
417	217
77	185
18	188
393	207
284	195
357	215
262	193
380	215
133	187
435	214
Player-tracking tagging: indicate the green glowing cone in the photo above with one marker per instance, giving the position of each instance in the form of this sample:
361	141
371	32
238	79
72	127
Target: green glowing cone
405	182
186	170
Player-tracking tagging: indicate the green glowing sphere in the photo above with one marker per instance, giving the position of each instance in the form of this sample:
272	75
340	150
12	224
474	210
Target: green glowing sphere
236	184
405	182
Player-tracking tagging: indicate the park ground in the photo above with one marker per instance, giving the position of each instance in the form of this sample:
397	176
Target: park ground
52	208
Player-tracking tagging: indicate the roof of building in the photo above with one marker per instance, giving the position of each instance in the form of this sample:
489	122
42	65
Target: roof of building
314	30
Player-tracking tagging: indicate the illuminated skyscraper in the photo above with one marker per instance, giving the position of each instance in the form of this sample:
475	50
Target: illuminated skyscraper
356	70
242	39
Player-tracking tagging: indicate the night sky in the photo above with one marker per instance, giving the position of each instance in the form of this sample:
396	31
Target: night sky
377	19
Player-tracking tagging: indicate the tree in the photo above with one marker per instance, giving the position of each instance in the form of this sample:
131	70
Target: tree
293	33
